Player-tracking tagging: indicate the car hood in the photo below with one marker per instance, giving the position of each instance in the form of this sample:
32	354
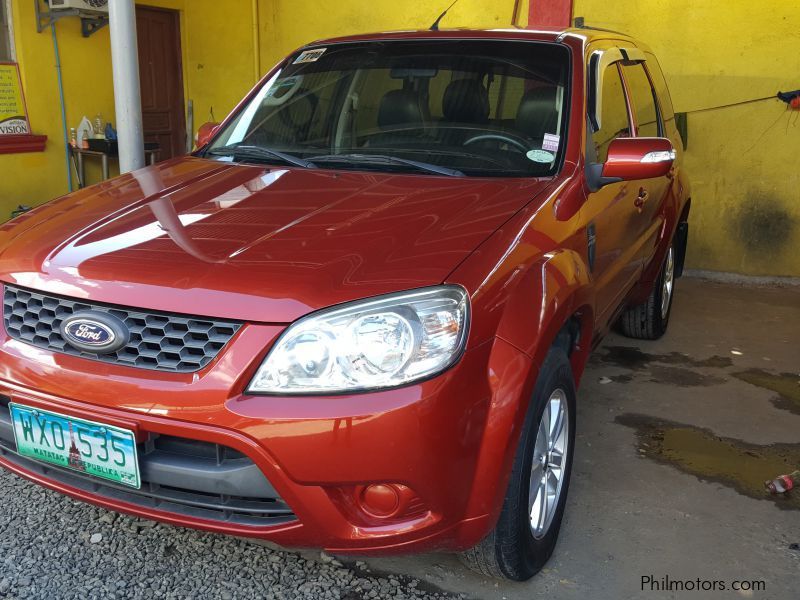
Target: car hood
259	244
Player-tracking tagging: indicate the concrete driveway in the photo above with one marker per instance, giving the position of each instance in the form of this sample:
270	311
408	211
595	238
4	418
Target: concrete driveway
675	438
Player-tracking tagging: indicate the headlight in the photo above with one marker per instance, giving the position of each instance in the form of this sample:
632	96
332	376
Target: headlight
378	343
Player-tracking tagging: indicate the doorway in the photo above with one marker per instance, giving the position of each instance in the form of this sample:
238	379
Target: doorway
161	75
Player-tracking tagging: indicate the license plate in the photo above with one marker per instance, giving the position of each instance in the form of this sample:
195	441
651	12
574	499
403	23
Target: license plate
95	449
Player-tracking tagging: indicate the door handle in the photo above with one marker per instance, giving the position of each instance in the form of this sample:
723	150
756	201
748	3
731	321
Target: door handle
643	196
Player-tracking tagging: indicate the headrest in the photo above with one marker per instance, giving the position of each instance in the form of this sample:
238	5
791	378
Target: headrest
399	107
537	113
466	101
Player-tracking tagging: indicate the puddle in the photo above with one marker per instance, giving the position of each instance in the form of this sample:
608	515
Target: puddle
733	463
671	369
633	358
787	385
682	377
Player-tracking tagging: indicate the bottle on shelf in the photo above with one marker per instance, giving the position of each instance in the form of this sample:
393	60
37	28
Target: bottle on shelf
98	127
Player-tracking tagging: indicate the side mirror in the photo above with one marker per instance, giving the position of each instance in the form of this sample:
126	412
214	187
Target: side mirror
204	134
633	158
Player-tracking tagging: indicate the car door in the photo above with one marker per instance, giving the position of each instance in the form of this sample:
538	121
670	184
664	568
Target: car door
652	193
613	221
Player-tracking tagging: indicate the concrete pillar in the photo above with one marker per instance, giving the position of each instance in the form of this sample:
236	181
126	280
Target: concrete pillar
127	96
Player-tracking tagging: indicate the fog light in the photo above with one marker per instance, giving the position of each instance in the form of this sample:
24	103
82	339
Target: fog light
381	499
379	504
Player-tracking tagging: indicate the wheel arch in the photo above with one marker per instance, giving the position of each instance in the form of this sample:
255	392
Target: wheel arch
552	304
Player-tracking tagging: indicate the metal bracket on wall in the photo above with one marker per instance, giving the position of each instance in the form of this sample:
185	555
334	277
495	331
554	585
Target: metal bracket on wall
44	18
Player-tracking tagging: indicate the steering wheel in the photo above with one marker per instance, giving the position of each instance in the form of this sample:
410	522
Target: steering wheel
502	137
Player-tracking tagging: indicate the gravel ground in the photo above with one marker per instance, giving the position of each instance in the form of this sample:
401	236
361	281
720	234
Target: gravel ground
53	547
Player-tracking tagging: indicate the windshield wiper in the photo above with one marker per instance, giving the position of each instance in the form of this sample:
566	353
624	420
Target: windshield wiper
246	152
386	159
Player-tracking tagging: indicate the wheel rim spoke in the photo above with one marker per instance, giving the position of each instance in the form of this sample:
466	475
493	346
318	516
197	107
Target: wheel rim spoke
558	427
552	486
543	503
669	280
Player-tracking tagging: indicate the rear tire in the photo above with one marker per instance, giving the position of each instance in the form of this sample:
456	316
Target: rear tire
649	321
524	538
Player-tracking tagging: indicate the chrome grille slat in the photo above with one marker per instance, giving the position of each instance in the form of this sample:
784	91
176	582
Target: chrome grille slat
158	341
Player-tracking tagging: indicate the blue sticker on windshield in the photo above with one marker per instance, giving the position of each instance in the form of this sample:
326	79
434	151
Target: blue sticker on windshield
309	56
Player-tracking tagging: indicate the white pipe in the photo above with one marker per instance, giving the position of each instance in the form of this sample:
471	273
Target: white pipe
127	95
256	42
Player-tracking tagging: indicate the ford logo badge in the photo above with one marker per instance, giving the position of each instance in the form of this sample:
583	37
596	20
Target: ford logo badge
94	331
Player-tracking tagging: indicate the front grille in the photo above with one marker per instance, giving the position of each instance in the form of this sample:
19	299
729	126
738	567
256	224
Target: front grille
158	341
179	475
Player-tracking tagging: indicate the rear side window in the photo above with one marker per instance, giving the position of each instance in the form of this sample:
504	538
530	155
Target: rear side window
660	84
613	113
643	101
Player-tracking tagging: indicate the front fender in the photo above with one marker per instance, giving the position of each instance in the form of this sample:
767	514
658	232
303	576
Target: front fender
552	290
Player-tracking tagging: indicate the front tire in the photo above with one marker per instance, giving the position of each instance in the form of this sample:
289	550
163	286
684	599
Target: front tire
649	321
527	530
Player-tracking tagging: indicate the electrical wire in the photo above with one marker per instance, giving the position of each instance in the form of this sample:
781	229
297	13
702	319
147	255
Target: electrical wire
63	106
721	106
763	133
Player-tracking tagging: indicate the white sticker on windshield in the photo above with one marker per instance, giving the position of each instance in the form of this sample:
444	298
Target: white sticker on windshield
550	142
540	156
309	56
283	85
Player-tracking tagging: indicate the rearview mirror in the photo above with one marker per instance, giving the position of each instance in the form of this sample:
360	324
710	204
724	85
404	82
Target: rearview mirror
205	133
633	158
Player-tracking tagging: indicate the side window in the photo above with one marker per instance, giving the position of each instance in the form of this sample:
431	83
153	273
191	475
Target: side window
643	100
660	85
613	113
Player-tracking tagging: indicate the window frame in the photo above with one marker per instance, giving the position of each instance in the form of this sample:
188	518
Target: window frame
660	130
5	7
596	124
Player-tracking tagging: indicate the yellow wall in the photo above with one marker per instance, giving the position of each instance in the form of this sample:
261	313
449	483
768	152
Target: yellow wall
217	47
744	161
287	24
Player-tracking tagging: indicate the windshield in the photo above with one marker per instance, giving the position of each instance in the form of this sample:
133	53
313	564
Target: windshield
464	107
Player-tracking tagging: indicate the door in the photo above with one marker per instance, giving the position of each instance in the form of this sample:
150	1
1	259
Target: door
161	76
648	123
611	212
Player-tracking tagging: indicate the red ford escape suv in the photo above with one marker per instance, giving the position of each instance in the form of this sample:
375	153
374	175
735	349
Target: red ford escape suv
356	317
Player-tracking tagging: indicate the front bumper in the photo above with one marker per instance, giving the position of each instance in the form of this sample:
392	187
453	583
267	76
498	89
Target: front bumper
449	440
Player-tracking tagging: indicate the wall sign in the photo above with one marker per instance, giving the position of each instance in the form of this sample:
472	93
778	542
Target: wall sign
15	128
13	114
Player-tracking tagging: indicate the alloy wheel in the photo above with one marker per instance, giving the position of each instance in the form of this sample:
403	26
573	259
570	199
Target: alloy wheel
549	463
